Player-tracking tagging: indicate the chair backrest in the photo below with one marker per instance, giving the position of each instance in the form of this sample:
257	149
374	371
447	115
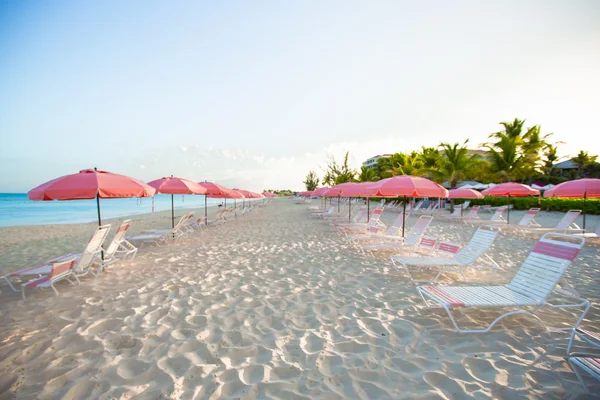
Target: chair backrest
358	214
568	219
375	215
479	244
427	244
457	211
330	211
62	268
473	212
373	230
118	238
597	229
93	247
498	214
465	205
448	248
418	229
396	225
418	205
529	216
545	265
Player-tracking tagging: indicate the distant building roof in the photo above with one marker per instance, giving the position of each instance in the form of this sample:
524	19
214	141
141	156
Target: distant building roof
568	164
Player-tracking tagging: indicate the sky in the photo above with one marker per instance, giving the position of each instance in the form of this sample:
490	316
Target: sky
254	94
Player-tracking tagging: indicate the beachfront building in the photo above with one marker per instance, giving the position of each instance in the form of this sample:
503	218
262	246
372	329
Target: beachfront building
372	162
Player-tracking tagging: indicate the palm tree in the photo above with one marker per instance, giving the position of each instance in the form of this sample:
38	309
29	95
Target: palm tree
367	174
514	154
402	164
452	164
582	160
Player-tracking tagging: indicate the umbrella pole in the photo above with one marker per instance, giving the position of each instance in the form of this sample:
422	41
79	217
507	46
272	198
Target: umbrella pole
99	221
368	210
172	214
349	208
584	201
235	208
508	211
205	212
403	215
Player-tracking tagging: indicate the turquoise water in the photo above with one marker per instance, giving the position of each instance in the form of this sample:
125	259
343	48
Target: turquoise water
16	209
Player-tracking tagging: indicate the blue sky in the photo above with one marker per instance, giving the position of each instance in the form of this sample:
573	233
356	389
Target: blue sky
254	94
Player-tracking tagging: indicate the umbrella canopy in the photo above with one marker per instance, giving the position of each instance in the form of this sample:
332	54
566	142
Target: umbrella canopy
341	189
579	188
405	185
173	185
213	189
575	189
464	194
91	184
232	194
511	189
321	191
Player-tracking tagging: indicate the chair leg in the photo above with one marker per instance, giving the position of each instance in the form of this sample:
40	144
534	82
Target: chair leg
10	283
575	369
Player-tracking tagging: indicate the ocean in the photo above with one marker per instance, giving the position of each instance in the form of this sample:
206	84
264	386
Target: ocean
16	209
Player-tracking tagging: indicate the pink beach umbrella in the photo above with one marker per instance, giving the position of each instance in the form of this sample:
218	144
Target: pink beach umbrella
407	186
510	189
213	190
464	194
91	184
586	188
321	191
173	185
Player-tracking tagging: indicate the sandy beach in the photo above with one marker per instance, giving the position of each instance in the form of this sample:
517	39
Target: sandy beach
273	305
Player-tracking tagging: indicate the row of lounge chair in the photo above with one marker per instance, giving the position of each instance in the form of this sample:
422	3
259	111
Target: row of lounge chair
535	284
95	257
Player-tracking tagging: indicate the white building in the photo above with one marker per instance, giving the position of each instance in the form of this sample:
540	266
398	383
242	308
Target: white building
372	162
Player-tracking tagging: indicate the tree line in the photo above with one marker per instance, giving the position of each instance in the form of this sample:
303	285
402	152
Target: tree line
513	154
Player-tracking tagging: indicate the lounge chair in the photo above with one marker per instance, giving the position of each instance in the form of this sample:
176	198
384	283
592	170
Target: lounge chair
528	221
60	270
591	235
585	361
376	232
328	212
565	225
395	242
119	246
85	261
487	208
158	236
531	286
373	220
455	214
463	259
497	218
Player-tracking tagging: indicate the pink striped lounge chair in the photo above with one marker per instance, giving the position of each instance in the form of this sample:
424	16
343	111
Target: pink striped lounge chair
531	287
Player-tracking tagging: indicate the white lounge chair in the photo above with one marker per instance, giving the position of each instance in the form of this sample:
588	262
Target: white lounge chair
497	218
158	236
60	270
591	235
321	214
463	259
119	247
85	261
377	232
532	285
395	242
585	361
565	225
373	220
457	213
528	221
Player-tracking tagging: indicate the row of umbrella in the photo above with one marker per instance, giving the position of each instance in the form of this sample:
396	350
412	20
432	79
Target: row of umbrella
412	186
94	184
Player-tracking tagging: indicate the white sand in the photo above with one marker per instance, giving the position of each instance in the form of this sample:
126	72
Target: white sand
272	305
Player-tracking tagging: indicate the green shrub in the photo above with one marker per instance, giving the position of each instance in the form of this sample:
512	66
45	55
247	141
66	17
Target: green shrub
545	203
